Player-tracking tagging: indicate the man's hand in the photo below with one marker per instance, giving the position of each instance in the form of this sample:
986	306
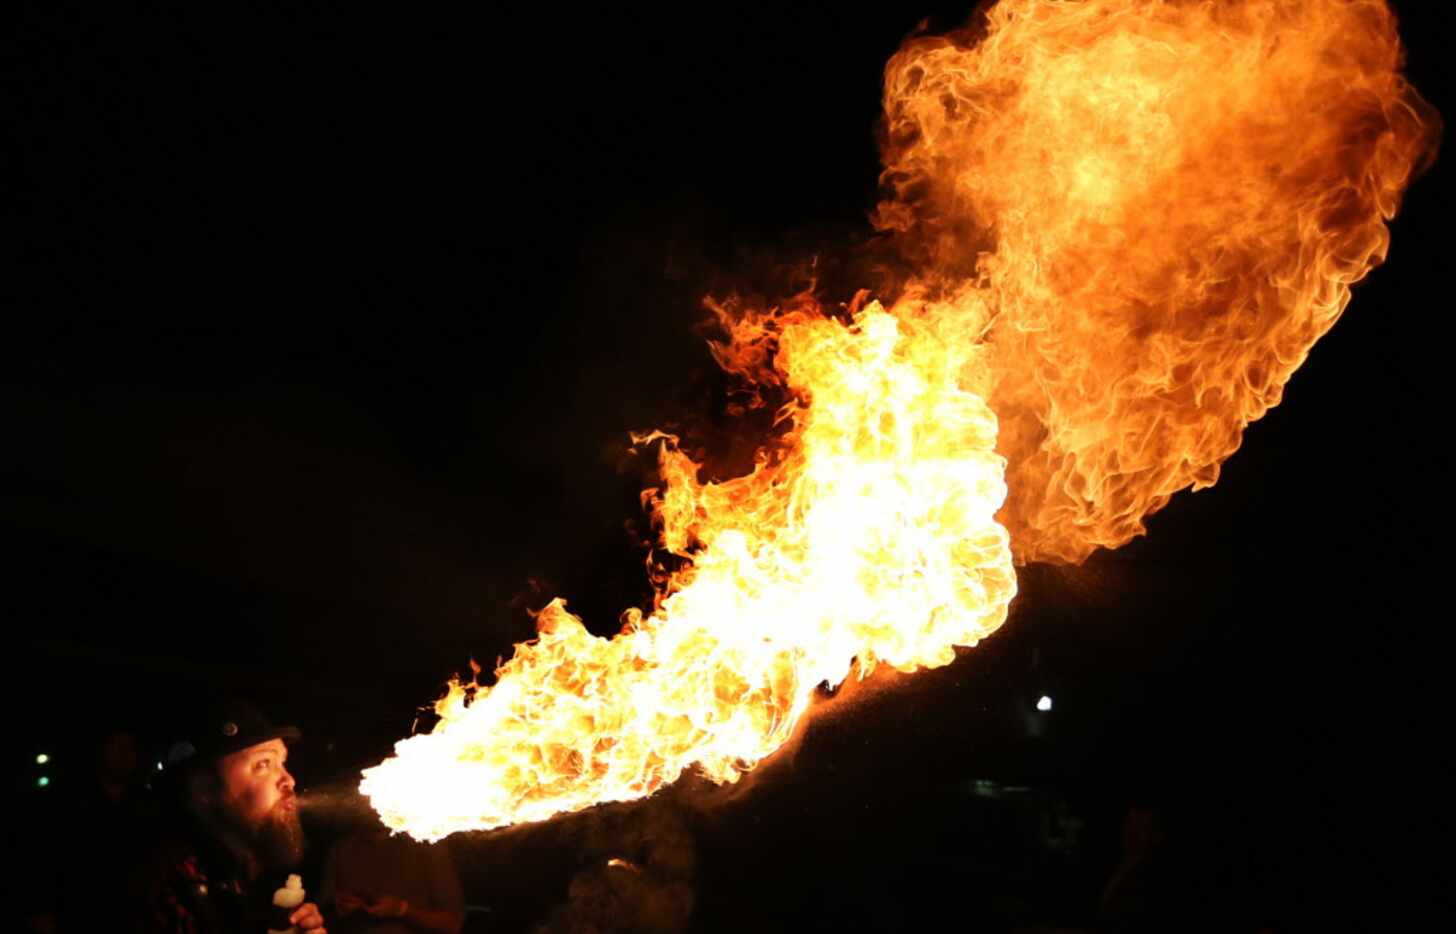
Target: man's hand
348	903
307	918
387	906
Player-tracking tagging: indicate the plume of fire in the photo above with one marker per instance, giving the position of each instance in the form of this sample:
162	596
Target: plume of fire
867	536
1165	204
1129	221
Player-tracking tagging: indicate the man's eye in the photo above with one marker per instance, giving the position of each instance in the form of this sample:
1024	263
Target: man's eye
263	764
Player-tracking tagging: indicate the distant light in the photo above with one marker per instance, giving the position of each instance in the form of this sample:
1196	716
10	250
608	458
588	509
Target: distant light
1044	704
159	766
984	788
43	781
42	759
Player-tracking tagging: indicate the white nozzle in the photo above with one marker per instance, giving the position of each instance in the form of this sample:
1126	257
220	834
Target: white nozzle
291	895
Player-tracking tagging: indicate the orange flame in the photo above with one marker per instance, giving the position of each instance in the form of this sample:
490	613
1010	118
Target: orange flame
1166	204
869	536
1130	220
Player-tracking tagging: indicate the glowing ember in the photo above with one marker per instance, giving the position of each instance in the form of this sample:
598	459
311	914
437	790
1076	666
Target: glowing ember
1130	220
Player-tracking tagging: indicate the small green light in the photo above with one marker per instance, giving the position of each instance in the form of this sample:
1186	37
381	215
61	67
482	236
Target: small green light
43	781
42	759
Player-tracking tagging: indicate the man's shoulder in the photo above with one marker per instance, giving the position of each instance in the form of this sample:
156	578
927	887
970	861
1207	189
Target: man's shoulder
175	857
170	846
180	889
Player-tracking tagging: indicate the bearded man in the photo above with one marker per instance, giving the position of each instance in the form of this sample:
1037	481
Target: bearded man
234	835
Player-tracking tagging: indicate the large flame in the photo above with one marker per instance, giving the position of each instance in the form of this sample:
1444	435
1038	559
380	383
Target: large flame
868	536
1130	220
1166	204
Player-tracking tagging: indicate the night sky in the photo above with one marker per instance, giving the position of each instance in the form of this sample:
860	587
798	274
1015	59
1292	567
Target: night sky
326	328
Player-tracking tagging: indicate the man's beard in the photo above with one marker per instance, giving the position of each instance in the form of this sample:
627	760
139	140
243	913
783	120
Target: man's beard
277	840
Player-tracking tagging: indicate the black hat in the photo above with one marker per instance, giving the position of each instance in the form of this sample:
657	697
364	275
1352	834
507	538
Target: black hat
223	728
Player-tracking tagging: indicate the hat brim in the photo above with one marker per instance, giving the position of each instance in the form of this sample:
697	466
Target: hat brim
289	735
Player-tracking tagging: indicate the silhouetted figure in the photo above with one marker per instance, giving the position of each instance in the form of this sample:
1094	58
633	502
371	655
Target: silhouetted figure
379	883
90	838
638	861
1135	899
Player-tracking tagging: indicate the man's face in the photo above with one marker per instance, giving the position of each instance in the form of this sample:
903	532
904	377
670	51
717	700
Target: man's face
257	796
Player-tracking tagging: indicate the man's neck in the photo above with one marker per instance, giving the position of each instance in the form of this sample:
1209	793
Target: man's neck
226	849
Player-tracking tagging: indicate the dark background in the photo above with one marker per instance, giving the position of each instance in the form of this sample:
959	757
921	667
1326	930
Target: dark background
323	335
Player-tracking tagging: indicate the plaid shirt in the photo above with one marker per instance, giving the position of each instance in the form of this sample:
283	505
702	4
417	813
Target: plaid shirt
182	894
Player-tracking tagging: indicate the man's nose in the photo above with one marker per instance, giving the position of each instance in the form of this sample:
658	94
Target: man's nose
286	781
